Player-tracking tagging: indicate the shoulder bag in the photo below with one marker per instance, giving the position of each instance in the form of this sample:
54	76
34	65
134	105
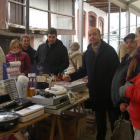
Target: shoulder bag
123	130
73	64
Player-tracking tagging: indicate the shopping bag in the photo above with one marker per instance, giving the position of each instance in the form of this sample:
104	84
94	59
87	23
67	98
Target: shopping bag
123	130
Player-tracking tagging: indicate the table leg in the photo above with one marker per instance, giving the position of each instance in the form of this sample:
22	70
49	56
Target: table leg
78	108
83	107
60	127
31	127
74	109
53	127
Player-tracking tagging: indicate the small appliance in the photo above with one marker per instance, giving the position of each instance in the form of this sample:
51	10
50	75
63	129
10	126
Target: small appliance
22	83
8	120
30	113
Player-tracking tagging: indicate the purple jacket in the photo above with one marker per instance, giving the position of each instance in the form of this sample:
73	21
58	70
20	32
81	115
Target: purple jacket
23	58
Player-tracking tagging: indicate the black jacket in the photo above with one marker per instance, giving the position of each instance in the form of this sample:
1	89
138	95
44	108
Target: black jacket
56	56
119	79
100	70
31	52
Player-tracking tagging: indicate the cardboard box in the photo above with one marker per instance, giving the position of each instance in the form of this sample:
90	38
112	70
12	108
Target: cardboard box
81	122
68	126
42	132
43	128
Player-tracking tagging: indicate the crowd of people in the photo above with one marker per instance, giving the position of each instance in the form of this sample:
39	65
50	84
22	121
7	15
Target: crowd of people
114	85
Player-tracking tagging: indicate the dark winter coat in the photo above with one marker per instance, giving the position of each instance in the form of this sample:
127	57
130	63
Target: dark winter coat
56	56
100	70
31	52
119	79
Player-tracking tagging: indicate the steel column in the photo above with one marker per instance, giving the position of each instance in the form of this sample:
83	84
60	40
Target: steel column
49	14
81	25
119	27
108	22
27	17
136	21
127	19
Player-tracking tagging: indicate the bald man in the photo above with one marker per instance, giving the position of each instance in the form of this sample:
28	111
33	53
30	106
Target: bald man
99	63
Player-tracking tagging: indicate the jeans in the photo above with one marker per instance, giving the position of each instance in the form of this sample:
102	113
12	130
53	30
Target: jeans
101	122
136	133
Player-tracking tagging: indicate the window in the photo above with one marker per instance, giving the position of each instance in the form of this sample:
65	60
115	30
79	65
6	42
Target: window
101	25
16	13
91	19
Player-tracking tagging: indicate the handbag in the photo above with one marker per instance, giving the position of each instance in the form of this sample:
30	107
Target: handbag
123	130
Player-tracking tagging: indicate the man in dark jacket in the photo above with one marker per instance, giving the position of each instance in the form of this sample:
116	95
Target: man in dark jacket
119	78
25	41
99	63
53	52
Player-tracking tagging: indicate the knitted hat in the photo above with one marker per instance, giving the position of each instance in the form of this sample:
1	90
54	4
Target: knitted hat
74	46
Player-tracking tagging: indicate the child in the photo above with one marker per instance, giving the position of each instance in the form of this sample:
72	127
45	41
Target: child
16	54
131	91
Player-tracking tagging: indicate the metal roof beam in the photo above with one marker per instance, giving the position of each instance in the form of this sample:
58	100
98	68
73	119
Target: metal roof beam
118	3
133	9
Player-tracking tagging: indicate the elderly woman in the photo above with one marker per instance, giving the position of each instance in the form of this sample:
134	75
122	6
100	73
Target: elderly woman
75	60
16	54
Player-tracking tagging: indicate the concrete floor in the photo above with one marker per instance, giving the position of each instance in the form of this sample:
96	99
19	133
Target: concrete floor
90	136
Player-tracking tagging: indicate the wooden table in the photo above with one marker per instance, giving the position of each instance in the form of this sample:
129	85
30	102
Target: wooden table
85	96
23	125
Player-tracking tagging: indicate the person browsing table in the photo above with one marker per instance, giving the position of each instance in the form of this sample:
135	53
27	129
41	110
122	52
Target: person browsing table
99	63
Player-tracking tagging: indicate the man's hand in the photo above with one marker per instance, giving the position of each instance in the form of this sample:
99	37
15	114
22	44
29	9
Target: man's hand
66	78
127	109
123	107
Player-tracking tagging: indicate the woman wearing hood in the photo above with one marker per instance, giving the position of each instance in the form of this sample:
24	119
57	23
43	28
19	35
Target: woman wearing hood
75	59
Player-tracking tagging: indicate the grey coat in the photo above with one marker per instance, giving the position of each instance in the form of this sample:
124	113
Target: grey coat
123	89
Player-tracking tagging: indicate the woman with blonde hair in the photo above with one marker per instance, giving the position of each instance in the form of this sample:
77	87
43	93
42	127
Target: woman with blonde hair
137	36
15	54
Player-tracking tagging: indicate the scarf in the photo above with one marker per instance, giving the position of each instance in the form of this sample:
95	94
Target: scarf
133	64
15	52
